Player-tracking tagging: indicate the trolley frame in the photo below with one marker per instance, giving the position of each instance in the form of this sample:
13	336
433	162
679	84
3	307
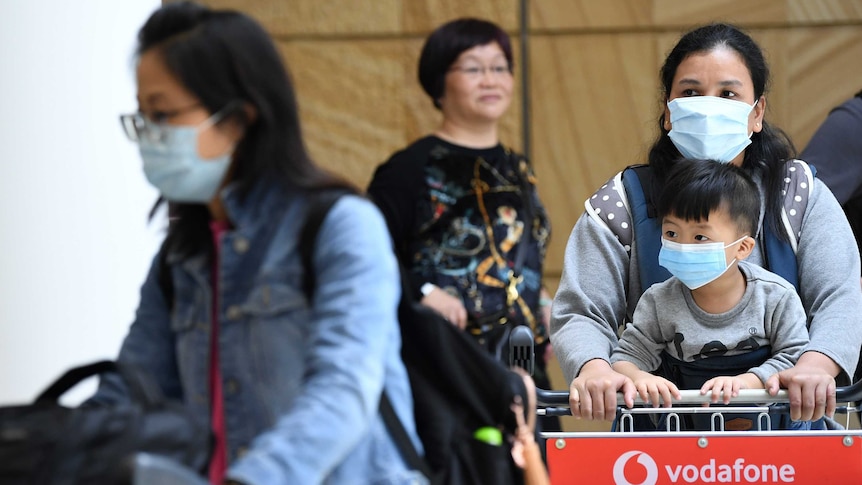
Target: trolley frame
627	457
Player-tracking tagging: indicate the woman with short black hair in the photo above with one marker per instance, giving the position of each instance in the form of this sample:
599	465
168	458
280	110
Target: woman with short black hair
462	207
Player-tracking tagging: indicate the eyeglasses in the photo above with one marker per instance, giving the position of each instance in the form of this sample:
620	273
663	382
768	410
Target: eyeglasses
156	130
475	72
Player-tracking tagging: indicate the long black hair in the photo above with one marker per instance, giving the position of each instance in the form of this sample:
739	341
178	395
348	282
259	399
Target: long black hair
770	149
227	59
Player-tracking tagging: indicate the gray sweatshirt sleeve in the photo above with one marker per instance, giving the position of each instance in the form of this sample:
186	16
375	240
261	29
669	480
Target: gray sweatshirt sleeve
788	335
642	342
590	303
829	282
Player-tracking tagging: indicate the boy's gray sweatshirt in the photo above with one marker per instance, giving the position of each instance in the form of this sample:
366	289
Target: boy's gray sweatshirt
668	319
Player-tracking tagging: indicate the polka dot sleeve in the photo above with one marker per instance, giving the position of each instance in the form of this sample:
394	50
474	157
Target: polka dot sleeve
798	184
609	206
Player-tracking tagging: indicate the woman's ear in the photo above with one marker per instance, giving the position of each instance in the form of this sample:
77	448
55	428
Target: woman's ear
758	112
746	246
250	113
235	125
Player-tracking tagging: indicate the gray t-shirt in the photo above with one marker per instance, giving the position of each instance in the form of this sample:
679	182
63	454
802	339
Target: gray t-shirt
667	319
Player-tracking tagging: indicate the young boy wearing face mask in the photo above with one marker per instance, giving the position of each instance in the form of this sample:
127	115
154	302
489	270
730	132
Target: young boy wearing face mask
719	323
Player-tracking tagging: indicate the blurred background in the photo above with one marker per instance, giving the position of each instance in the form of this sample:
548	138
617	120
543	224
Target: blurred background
74	240
73	200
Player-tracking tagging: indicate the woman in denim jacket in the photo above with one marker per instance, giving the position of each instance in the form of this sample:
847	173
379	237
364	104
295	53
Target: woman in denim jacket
292	387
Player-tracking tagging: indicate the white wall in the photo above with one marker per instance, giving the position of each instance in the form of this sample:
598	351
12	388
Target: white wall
75	243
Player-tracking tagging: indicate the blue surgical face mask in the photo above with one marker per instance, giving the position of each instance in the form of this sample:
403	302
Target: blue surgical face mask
695	264
709	127
173	166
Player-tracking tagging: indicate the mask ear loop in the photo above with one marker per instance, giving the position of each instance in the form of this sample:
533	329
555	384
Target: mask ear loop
734	259
737	241
220	116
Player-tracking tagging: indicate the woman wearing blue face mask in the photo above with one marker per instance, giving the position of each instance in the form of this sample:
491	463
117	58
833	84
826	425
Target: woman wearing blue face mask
714	83
224	321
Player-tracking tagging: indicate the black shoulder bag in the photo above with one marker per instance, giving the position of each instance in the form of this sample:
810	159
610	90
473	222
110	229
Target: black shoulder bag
47	443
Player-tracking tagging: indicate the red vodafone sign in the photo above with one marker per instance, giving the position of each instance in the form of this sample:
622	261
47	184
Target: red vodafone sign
832	458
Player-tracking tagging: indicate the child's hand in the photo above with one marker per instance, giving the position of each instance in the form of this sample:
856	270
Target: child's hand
650	388
729	385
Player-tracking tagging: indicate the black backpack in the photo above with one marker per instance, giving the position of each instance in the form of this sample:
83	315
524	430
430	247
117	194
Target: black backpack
458	387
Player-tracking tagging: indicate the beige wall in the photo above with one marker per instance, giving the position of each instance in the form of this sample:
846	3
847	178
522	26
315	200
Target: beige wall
593	77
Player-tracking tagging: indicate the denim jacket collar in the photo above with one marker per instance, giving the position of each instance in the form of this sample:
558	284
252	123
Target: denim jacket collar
248	215
257	206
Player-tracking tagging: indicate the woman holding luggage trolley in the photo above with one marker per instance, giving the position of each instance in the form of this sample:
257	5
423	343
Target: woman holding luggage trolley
714	105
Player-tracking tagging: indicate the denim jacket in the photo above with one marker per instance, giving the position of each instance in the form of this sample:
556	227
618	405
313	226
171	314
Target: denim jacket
301	383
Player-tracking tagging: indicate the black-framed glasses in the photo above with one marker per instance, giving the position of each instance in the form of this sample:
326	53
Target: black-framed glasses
138	126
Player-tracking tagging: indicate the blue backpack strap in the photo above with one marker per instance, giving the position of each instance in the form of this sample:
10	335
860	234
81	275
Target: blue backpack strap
781	255
780	258
647	227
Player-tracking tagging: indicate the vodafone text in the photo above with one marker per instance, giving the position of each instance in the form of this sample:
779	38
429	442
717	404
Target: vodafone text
711	472
738	472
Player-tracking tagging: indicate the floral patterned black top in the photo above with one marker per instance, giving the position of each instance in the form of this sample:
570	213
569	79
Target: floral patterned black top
458	216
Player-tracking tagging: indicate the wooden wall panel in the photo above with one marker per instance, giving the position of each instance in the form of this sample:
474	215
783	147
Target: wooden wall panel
825	70
578	14
824	11
423	16
595	104
685	13
675	14
351	97
774	44
321	17
421	117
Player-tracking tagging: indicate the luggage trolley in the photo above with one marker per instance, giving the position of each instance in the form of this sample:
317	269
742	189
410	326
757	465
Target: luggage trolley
626	457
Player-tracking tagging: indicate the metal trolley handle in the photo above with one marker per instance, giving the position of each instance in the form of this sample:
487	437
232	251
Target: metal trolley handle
746	396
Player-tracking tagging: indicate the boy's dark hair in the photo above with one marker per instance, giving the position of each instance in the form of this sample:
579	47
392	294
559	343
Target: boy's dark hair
695	188
447	42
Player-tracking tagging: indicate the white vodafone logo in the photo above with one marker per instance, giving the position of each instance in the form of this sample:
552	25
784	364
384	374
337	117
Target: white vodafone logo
712	470
645	460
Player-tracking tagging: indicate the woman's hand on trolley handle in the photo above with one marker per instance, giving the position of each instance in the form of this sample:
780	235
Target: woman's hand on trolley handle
593	394
810	386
